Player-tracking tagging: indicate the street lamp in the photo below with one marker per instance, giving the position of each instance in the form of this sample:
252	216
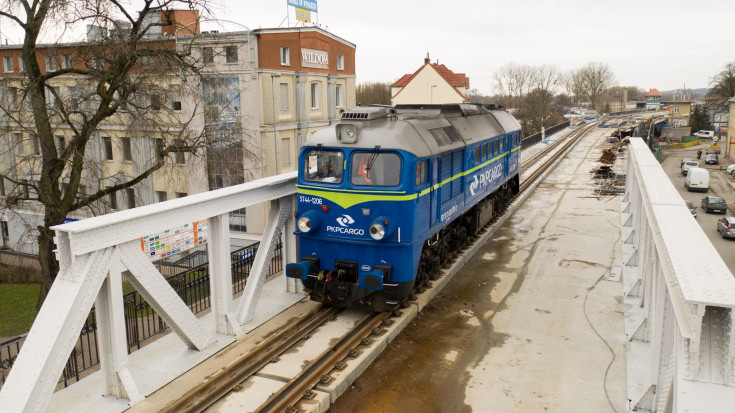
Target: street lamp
275	140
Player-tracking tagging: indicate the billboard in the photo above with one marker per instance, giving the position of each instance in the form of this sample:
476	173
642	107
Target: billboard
175	240
304	4
303	15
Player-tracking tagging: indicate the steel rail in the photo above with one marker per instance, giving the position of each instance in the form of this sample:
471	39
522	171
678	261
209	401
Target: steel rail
285	399
222	382
568	142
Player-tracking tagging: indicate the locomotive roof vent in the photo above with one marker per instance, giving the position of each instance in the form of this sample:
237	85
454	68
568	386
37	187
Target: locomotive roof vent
368	112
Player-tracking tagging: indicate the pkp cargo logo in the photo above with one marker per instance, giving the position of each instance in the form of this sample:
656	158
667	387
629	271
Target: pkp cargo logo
345	220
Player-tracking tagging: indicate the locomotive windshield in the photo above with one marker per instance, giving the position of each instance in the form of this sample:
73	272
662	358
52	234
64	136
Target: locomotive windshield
376	168
323	166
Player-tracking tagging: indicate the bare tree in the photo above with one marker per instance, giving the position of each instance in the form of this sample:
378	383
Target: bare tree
722	84
593	82
122	77
512	83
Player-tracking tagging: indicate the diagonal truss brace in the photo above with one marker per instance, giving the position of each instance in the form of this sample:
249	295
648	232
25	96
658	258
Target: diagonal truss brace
35	373
161	296
280	212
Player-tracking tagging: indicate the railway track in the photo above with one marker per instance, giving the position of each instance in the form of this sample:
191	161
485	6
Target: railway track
318	369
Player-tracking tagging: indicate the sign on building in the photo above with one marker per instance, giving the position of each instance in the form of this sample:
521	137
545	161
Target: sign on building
303	15
304	4
314	58
174	240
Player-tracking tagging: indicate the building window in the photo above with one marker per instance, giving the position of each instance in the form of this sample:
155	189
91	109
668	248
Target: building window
18	142
50	63
127	152
176	100
66	61
179	158
107	148
113	200
338	99
8	64
60	144
52	96
315	95
231	54
181	194
130	195
284	96
340	62
158	145
155	103
161	196
285	57
13	97
286	151
208	55
21	64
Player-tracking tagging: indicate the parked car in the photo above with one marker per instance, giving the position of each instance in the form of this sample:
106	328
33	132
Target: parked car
687	165
705	134
711	159
687	159
726	227
712	203
691	207
731	169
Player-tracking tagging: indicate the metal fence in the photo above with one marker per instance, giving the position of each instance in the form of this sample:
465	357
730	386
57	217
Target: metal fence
142	323
537	137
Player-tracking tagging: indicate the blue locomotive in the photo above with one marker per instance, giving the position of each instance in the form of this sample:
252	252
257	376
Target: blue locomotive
387	193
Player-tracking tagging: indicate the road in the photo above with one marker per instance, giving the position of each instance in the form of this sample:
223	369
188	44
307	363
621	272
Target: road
721	184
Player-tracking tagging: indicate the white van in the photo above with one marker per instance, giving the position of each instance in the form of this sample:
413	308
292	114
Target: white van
697	180
705	134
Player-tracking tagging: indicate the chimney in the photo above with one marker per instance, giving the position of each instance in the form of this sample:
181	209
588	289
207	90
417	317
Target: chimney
426	59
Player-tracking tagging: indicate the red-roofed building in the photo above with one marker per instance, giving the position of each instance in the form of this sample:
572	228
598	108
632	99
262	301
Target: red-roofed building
432	83
653	99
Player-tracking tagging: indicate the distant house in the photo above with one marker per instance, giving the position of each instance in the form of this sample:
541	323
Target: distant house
653	99
432	83
680	112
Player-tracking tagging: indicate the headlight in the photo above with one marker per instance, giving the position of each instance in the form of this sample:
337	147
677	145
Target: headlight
304	224
382	228
347	133
309	222
377	231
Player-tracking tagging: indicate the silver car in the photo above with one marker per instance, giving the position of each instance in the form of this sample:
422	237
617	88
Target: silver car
726	227
687	165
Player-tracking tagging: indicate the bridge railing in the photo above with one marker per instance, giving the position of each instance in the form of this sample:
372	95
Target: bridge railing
93	254
679	299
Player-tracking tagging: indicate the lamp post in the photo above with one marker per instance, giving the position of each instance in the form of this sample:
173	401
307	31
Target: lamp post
275	139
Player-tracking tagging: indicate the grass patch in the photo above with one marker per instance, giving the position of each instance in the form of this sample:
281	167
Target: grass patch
17	308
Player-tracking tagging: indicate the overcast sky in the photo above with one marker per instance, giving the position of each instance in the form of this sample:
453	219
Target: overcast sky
647	43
